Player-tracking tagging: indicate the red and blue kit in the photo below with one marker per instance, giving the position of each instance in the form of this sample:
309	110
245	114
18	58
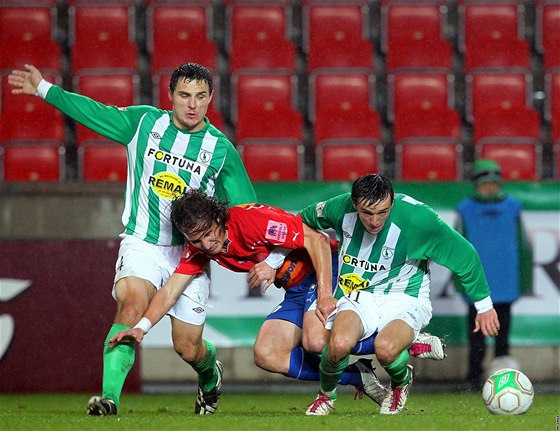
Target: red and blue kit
253	230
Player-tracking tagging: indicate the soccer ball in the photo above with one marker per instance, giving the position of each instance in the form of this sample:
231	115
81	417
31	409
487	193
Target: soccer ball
508	392
295	268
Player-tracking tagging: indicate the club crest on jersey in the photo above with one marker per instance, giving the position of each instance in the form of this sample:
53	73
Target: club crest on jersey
366	265
276	231
205	156
387	252
352	282
167	185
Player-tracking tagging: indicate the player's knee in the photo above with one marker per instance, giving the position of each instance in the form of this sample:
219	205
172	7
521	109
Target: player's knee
264	356
386	350
187	350
313	344
339	348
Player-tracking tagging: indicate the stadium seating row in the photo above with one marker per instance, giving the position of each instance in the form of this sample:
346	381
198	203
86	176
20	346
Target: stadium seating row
340	74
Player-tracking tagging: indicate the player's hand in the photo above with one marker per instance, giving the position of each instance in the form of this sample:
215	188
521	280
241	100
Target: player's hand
135	334
488	323
261	272
325	306
25	81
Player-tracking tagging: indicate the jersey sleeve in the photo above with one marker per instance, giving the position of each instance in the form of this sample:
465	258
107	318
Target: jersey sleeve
431	238
233	184
325	214
192	261
117	124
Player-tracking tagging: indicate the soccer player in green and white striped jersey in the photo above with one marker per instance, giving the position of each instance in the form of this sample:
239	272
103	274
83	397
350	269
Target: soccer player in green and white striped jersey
168	153
386	243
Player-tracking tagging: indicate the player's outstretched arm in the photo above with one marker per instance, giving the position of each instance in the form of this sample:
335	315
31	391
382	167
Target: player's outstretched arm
160	304
25	81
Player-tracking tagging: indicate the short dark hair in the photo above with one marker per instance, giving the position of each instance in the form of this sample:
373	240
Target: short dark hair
195	212
189	72
371	189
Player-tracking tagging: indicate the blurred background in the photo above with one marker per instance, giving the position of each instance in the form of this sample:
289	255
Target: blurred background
313	93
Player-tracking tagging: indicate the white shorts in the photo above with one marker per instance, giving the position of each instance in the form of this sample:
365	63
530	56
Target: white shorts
156	263
376	311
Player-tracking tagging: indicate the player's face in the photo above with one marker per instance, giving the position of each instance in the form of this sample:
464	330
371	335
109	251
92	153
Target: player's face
211	241
190	103
374	216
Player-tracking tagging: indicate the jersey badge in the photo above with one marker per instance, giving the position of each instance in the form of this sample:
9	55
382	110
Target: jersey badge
276	231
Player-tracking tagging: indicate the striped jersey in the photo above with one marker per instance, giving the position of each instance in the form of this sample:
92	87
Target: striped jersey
163	161
396	259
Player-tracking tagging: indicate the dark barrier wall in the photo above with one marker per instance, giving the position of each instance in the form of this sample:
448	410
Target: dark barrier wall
52	332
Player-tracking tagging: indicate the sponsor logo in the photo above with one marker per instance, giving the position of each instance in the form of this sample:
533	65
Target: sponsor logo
167	185
10	289
198	310
346	234
276	231
365	264
351	282
175	161
155	135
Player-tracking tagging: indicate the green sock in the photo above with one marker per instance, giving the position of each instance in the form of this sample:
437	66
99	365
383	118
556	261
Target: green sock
330	372
117	362
398	370
206	368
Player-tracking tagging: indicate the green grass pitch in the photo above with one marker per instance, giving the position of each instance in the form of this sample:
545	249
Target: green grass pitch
286	412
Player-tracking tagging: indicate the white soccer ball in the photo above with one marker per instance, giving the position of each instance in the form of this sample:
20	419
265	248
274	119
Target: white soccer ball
508	392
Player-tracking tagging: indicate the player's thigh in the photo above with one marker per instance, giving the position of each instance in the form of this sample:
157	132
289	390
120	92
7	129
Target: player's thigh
276	335
315	336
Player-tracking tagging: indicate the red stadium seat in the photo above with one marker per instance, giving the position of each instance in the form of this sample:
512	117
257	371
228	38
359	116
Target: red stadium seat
335	36
273	160
102	162
32	162
510	135
483	21
262	92
26	118
435	122
411	21
346	160
178	34
102	37
28	36
434	54
110	89
161	97
487	88
428	159
506	52
547	28
267	45
419	90
342	91
334	126
552	95
281	123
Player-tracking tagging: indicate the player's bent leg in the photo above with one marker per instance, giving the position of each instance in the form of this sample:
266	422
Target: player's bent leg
201	355
314	334
275	341
133	295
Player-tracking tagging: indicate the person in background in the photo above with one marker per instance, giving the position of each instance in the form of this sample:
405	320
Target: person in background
168	153
387	241
492	222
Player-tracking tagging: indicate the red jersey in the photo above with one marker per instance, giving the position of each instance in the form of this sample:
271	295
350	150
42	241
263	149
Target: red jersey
253	230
